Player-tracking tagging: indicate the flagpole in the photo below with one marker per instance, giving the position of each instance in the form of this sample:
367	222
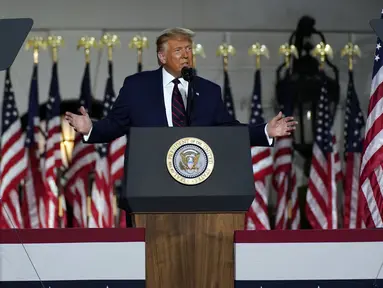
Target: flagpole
225	50
322	51
287	51
139	42
197	50
87	43
55	42
110	41
258	50
35	44
351	50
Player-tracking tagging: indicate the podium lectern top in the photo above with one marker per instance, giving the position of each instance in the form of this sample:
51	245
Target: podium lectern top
13	32
163	160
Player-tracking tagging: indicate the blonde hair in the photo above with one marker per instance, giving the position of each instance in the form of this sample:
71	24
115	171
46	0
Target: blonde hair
170	33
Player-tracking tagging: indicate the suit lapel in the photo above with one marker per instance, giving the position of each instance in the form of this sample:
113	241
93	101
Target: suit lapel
196	100
157	92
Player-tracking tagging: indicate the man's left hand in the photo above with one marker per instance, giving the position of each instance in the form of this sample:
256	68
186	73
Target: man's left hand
281	126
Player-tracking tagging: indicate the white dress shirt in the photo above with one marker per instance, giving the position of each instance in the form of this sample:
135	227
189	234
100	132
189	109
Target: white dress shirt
168	86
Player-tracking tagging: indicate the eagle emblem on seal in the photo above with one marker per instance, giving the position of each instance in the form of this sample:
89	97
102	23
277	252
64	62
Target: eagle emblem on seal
189	160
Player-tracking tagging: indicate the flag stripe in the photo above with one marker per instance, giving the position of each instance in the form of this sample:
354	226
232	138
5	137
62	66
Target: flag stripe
370	183
13	163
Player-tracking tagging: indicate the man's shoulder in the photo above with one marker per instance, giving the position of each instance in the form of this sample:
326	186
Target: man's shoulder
208	84
139	77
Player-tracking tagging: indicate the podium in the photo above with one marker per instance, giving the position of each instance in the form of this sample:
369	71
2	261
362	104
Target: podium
189	188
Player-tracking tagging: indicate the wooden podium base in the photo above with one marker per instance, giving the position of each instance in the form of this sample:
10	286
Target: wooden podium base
190	250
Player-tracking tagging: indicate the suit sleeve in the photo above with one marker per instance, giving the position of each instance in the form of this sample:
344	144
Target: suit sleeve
257	132
116	123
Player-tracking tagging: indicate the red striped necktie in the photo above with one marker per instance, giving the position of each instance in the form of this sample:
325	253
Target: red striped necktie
178	108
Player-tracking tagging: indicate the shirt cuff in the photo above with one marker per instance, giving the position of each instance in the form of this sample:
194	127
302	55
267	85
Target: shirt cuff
86	137
267	136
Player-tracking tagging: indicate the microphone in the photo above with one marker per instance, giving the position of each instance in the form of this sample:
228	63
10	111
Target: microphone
188	73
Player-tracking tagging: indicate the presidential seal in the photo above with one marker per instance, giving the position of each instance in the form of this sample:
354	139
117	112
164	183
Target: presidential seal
190	161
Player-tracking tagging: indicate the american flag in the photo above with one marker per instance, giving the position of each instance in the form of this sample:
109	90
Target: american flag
53	160
257	215
227	95
77	185
353	125
13	162
321	208
102	199
371	170
337	164
284	178
34	185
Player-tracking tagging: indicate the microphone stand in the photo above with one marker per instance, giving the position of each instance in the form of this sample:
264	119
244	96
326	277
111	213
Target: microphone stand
188	74
190	101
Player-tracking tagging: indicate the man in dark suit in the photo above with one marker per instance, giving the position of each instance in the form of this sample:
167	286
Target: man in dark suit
159	98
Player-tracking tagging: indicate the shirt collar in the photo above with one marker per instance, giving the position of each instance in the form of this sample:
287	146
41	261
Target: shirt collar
167	78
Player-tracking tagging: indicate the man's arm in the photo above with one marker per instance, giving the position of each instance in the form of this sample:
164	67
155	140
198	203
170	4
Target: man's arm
269	139
115	124
86	137
258	132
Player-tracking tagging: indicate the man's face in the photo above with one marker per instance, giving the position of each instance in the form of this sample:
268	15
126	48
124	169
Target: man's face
177	55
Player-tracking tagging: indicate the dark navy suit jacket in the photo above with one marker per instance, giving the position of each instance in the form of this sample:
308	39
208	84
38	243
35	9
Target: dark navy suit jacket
140	103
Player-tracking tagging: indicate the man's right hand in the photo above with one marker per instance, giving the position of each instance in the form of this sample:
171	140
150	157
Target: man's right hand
80	123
